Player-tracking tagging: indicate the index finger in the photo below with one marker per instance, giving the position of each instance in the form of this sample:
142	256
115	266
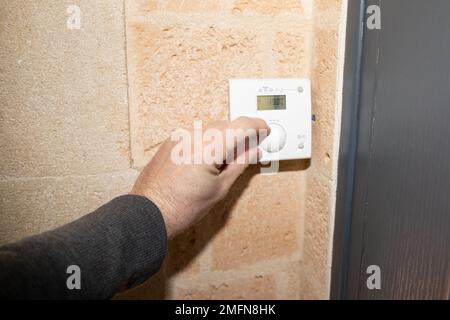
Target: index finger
242	134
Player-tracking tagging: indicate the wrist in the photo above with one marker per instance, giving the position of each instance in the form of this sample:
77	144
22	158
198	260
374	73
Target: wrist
165	207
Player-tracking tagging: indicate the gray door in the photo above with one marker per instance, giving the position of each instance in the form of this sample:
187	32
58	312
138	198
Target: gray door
395	208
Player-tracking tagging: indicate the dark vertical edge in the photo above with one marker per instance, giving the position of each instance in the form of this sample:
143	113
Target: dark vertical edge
366	114
347	148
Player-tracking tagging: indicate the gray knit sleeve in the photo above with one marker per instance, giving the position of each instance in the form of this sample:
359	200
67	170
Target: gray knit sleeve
114	248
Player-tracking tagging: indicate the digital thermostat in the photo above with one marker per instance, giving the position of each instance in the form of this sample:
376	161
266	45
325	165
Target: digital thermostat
285	104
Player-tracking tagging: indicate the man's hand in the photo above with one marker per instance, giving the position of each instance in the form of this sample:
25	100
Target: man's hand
185	192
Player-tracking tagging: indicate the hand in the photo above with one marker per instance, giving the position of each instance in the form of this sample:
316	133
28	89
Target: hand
185	192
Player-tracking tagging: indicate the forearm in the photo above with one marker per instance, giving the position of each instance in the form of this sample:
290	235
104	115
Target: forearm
116	247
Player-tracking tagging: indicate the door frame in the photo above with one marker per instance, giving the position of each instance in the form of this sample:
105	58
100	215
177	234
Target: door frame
351	108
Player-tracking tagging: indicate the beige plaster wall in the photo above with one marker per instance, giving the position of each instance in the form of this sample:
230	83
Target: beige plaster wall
83	110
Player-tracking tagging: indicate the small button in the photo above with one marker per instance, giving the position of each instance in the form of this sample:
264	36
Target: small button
276	140
301	145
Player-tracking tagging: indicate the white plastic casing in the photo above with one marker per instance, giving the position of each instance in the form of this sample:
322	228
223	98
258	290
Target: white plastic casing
290	136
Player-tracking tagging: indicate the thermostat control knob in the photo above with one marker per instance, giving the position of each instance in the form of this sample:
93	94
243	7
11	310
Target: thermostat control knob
276	139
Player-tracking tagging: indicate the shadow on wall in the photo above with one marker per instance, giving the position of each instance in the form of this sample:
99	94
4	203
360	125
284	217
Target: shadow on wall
186	247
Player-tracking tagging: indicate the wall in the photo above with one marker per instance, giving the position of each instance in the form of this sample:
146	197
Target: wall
270	238
64	132
73	136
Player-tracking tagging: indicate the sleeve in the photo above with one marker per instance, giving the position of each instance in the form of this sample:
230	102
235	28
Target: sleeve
114	248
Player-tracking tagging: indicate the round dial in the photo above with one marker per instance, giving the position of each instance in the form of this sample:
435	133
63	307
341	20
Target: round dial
276	139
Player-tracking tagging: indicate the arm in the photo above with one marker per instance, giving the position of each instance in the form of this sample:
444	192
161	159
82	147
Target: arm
116	247
124	242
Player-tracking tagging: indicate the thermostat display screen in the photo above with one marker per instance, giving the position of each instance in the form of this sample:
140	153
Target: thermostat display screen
271	102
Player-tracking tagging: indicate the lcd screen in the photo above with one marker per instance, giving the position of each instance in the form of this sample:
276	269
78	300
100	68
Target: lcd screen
271	102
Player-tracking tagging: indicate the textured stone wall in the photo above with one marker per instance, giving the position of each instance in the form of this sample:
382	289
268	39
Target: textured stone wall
74	135
64	131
